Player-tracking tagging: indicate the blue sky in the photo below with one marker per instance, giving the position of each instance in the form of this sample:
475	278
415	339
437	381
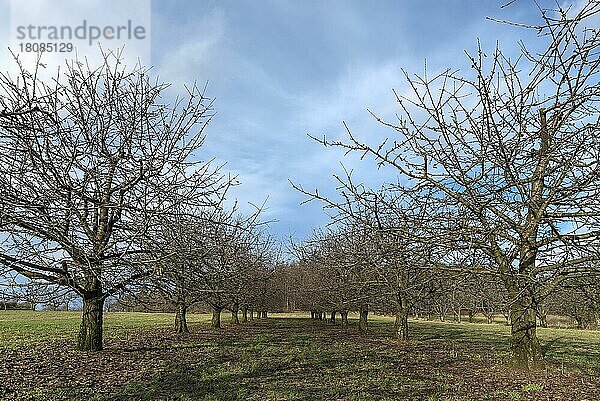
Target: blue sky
280	70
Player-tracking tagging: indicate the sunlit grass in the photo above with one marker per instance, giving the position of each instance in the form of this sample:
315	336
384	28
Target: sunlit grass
575	348
31	327
290	357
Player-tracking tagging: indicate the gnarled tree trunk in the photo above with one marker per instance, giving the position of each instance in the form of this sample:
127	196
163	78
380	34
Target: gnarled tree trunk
525	346
90	330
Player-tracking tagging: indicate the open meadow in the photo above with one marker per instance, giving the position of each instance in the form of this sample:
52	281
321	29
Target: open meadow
285	357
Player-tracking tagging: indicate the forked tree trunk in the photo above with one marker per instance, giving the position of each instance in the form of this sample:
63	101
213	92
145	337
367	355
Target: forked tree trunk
525	346
234	316
344	315
363	316
90	330
216	318
181	319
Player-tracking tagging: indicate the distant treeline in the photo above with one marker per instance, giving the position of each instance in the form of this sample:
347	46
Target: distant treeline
13	305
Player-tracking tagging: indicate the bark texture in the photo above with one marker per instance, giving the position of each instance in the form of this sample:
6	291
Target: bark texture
90	330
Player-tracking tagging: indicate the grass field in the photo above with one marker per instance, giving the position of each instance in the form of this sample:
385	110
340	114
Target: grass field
285	357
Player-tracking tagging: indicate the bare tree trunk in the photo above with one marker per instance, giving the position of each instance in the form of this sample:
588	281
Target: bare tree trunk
333	316
234	315
251	314
181	319
401	323
90	330
525	346
245	314
364	314
264	314
216	318
344	314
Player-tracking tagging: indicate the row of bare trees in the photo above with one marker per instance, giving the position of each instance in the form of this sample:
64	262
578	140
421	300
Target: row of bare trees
104	188
498	176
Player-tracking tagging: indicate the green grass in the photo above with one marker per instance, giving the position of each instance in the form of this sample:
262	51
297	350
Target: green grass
19	327
286	357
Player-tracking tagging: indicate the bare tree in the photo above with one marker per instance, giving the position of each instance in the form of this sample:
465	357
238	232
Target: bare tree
514	147
578	298
89	170
181	242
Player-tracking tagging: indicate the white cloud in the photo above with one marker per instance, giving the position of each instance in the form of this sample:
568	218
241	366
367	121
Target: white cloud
199	55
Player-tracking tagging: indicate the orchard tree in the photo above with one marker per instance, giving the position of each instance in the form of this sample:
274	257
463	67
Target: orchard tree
89	162
180	243
514	144
578	298
387	242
